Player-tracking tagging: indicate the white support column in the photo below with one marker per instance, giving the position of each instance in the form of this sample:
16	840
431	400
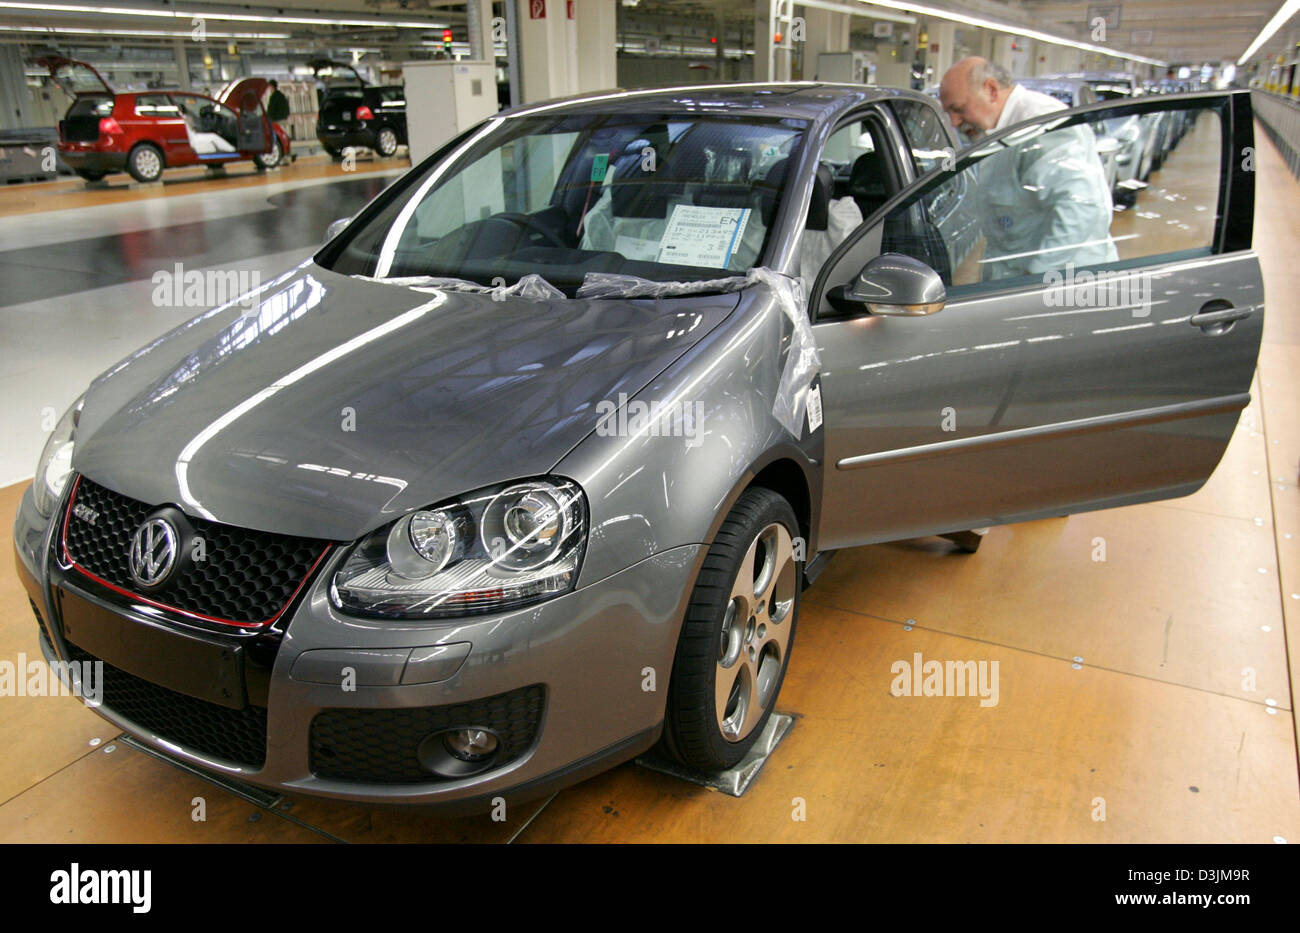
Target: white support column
546	50
1001	53
596	56
772	58
944	35
478	17
827	31
182	64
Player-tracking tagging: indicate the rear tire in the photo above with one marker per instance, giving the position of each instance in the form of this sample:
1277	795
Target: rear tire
386	142
91	176
145	163
735	642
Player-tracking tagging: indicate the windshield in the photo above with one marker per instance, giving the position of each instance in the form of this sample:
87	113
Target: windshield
76	78
666	198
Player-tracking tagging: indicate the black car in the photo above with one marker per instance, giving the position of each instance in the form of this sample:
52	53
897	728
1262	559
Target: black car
358	114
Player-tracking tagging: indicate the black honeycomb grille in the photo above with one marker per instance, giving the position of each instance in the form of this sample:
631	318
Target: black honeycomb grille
237	736
379	746
247	577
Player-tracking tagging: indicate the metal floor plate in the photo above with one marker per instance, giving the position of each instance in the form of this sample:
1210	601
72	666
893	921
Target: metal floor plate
738	780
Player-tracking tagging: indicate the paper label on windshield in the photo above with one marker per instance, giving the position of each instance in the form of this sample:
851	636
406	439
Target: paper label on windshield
631	247
703	236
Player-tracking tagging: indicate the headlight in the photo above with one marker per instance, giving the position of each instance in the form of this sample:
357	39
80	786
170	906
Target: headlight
55	465
498	548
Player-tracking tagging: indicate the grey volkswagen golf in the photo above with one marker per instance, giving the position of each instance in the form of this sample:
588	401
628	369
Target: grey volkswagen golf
523	473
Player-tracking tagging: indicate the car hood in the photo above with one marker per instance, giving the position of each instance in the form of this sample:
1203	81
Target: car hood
333	404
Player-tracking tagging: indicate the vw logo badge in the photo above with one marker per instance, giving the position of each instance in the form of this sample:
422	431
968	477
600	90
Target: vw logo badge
153	552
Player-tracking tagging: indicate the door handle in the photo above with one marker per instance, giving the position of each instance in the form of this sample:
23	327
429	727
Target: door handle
1214	319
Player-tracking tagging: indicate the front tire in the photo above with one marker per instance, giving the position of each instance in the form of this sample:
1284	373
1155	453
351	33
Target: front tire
264	160
735	643
91	176
145	163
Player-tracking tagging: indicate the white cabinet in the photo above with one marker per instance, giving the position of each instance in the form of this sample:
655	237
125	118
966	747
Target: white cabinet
444	98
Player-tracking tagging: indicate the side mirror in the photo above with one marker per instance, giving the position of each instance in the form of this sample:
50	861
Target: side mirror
893	285
336	228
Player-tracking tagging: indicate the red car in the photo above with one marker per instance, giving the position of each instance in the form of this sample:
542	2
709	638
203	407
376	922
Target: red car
144	132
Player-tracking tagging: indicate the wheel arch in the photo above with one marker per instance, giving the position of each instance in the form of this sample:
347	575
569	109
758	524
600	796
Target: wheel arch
779	470
152	144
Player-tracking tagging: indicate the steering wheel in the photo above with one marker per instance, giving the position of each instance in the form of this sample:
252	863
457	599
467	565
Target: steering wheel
526	222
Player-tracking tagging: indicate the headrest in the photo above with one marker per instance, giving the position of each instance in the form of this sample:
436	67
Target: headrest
868	178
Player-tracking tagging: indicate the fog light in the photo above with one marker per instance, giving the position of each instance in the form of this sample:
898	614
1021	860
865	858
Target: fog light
470	744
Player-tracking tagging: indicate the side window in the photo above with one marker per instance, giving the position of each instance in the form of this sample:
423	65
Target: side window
855	180
927	139
155	105
1041	203
847	143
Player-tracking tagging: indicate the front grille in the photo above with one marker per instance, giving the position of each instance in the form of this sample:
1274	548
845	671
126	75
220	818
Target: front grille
246	578
379	746
237	736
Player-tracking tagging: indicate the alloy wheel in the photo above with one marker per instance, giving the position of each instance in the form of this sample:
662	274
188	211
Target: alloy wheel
755	633
147	163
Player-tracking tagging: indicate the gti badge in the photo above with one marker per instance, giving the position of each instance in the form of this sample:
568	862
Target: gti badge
153	551
85	513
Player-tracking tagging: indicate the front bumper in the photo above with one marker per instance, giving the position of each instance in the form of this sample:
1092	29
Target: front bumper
601	657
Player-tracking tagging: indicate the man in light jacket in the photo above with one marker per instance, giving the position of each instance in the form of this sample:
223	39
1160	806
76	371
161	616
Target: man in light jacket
1043	202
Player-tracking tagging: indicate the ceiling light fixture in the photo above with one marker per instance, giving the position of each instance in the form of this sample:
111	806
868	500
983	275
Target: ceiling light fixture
218	15
162	33
1011	29
1284	13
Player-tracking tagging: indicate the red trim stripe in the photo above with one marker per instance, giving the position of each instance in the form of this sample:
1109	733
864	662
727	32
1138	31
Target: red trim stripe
67	557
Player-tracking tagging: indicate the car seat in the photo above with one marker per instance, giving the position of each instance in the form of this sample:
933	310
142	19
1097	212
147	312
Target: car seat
830	221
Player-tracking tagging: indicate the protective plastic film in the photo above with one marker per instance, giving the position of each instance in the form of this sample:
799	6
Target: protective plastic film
802	363
531	287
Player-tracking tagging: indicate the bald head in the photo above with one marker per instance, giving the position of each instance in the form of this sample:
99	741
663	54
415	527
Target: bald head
973	93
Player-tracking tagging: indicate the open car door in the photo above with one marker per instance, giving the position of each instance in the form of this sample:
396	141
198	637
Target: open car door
245	98
999	343
73	77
